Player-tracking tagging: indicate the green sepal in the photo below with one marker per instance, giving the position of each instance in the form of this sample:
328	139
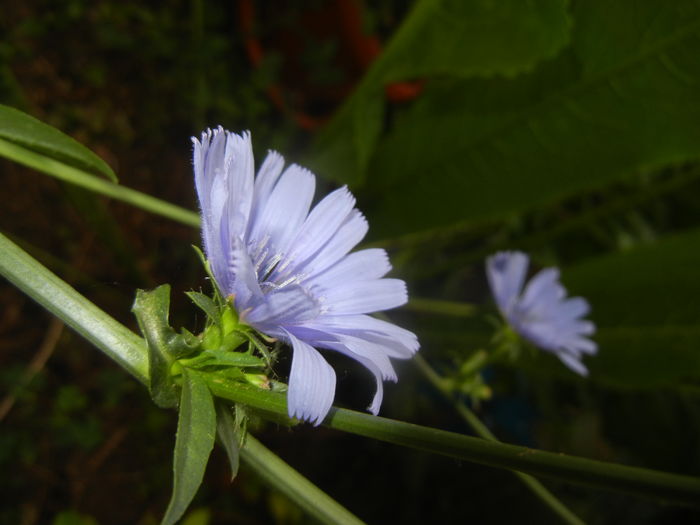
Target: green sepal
226	358
207	268
196	428
230	431
164	344
207	305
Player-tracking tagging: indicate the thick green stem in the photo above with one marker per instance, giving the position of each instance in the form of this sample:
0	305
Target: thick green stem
279	475
633	480
59	298
483	431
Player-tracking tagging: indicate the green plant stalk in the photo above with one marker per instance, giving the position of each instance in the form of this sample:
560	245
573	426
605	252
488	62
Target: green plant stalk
59	298
440	307
482	430
279	475
609	476
96	184
129	350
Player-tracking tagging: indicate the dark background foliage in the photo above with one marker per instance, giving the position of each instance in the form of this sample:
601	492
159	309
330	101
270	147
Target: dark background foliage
570	130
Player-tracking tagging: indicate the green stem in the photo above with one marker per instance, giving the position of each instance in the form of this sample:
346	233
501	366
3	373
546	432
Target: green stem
129	350
483	431
59	298
633	480
279	475
93	183
439	307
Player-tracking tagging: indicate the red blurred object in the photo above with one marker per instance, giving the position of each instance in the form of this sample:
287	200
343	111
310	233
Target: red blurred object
311	103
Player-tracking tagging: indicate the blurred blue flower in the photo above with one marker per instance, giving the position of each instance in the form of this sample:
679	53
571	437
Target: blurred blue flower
541	313
289	269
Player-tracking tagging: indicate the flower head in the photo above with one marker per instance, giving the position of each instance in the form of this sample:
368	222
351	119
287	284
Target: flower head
541	313
288	267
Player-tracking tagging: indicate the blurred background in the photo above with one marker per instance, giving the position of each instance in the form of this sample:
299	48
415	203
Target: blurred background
567	129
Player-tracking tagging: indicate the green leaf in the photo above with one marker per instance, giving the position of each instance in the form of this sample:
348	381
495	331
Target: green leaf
441	37
622	99
228	432
151	309
33	135
476	38
196	427
647	309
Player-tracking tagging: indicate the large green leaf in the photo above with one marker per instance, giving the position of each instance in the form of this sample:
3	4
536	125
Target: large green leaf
646	304
196	428
441	37
624	97
35	136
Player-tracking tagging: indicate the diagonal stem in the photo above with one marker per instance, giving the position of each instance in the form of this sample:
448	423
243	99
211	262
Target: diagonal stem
483	431
279	475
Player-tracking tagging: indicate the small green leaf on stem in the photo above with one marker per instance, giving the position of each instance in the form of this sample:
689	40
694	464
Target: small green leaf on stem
164	345
196	428
228	430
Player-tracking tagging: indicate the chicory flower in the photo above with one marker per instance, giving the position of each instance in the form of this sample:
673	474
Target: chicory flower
541	312
289	269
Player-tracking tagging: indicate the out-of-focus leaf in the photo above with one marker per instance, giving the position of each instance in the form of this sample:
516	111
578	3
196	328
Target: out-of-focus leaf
623	98
196	427
32	134
476	38
647	309
441	37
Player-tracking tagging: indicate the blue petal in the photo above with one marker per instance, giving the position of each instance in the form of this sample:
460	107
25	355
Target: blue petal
318	228
290	305
506	274
396	341
364	265
362	297
281	218
311	383
349	234
267	177
240	174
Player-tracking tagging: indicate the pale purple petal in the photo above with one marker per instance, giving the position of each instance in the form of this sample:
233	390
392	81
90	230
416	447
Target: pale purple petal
370	264
281	217
361	297
288	306
311	383
240	173
349	234
506	274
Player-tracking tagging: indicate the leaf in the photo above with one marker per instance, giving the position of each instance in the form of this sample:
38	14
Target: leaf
476	38
151	309
441	37
32	134
647	309
228	433
623	98
196	427
207	305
